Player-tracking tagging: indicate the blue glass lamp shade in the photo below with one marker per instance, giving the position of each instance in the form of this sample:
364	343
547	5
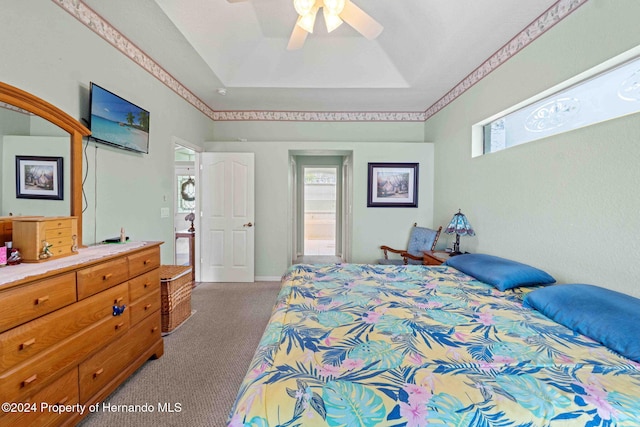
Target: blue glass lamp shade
459	225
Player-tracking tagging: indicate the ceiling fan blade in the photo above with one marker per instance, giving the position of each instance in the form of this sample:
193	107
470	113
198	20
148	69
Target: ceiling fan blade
298	36
358	19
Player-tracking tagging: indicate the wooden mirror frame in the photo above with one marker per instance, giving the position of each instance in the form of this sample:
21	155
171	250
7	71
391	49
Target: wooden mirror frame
28	102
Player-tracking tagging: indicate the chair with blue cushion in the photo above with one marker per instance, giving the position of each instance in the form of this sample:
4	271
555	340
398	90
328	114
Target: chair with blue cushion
421	239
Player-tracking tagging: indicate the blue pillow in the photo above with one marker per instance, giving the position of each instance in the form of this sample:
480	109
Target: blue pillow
609	317
502	273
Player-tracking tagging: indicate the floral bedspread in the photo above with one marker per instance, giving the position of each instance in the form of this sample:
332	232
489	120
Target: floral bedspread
373	345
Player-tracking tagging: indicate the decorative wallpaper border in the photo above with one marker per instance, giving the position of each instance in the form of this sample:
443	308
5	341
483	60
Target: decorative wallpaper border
320	116
83	13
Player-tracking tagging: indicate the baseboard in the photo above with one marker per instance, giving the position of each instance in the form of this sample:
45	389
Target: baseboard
267	278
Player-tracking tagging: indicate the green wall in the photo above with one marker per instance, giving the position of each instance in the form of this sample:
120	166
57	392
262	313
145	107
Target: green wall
568	203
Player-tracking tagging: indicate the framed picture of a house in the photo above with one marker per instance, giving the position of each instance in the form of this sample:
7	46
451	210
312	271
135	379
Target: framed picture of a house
392	185
39	177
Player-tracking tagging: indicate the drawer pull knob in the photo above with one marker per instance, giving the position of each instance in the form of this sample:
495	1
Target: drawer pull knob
107	276
154	329
146	285
147	307
29	380
118	310
146	261
63	400
119	326
118	300
28	343
42	300
97	373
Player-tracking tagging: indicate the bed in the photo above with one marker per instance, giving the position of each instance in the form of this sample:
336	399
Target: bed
380	345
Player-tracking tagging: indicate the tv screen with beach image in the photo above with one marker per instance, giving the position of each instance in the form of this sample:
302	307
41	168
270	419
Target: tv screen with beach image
118	122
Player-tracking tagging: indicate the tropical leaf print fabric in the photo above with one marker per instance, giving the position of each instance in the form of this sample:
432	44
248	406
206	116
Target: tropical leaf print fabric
370	345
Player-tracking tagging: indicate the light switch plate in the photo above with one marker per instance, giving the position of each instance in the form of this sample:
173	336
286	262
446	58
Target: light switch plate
164	212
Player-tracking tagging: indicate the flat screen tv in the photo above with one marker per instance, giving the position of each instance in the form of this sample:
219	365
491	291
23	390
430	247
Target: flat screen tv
118	122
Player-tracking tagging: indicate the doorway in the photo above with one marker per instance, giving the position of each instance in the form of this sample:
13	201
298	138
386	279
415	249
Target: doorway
320	206
186	205
320	210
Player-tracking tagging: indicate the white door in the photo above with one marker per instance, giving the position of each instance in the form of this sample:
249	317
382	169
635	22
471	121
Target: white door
227	236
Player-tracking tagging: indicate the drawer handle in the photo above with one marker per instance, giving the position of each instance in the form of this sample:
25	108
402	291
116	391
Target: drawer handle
146	261
28	343
146	285
107	276
118	310
97	373
154	329
119	325
118	300
63	400
147	307
29	380
42	300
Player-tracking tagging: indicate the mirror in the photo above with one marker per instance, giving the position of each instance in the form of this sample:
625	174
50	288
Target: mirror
23	100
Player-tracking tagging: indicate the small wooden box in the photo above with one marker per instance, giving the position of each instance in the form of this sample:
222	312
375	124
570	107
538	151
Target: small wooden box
175	293
30	235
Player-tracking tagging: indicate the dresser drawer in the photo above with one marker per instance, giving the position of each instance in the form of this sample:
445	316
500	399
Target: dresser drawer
25	341
29	377
60	245
103	366
144	306
63	391
55	233
21	304
102	276
58	223
144	261
144	284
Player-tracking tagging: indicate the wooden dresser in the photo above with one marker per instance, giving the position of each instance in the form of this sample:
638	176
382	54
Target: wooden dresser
70	335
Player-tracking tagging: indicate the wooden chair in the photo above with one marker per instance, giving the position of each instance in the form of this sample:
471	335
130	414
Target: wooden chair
421	239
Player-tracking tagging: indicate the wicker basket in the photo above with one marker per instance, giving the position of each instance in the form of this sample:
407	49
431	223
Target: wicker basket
175	292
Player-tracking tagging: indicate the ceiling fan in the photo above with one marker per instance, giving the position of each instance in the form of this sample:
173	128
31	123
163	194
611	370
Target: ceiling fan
335	13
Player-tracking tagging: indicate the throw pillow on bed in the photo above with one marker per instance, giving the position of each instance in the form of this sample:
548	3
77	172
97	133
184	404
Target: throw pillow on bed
500	272
609	317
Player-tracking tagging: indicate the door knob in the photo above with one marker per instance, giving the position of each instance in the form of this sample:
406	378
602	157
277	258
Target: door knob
247	225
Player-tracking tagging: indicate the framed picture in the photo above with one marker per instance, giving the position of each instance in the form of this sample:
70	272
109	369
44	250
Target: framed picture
392	185
39	177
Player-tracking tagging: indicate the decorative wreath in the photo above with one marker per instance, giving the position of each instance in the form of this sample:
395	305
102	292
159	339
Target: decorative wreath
183	190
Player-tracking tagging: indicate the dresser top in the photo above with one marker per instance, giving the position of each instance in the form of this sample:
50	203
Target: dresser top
42	218
14	275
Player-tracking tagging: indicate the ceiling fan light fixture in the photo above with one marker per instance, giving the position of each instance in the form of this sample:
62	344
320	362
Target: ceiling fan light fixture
307	21
331	20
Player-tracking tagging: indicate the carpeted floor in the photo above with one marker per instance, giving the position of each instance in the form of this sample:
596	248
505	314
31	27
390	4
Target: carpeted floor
204	361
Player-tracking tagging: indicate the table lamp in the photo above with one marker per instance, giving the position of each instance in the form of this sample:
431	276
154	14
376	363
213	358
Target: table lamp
459	225
190	217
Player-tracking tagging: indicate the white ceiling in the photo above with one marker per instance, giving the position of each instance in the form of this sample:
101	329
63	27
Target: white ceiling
426	48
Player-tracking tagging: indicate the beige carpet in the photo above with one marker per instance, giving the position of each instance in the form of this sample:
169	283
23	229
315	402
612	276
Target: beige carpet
204	362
